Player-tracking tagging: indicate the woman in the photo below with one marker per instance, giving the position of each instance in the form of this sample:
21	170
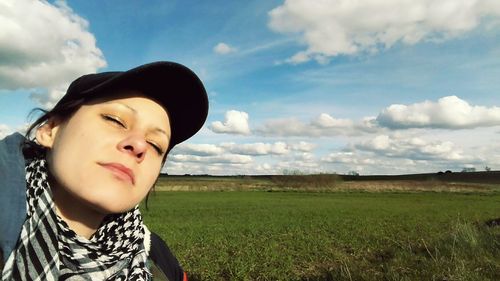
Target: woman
70	194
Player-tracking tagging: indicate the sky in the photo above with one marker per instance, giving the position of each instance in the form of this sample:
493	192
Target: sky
298	86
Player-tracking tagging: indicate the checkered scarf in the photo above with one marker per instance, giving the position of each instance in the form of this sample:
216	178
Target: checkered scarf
49	250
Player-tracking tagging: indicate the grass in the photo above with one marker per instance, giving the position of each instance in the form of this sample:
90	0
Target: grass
256	235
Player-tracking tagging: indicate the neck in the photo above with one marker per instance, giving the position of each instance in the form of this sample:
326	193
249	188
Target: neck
80	218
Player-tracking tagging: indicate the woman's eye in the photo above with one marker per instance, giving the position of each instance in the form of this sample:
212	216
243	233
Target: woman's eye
157	148
114	119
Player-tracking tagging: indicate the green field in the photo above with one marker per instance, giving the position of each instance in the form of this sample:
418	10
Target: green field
259	235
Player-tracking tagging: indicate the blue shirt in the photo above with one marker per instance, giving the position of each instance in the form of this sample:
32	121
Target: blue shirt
12	192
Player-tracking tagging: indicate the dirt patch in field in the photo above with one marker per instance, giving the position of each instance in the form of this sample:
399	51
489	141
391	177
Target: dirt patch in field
315	183
211	184
414	186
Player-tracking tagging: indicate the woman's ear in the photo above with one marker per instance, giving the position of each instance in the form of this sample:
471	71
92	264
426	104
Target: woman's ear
46	134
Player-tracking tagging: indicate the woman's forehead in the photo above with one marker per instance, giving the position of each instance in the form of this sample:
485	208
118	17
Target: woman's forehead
138	105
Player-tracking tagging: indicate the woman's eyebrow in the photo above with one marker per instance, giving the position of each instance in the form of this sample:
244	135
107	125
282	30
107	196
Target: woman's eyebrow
124	105
156	129
162	132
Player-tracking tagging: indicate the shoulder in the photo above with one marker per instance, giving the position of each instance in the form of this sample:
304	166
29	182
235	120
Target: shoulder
11	145
165	265
11	154
12	160
12	191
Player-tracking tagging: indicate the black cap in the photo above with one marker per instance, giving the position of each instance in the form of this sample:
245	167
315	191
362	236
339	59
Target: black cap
173	85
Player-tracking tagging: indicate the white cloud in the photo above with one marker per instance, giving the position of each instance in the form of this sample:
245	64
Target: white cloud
277	148
323	125
197	149
49	99
223	49
305	157
235	122
332	27
231	158
44	46
447	113
227	158
414	148
348	158
303	146
403	152
399	154
251	149
4	131
326	121
179	168
367	163
283	127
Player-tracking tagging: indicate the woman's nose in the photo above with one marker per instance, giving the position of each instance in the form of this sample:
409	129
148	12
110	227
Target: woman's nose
135	145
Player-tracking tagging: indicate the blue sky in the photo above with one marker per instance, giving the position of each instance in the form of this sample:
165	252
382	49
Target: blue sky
377	87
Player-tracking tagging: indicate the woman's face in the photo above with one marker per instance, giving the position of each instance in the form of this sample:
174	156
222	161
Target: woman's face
108	154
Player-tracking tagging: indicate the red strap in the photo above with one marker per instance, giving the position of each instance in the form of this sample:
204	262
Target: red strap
185	278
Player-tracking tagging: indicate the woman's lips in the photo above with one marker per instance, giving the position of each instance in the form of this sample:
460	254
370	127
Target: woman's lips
120	171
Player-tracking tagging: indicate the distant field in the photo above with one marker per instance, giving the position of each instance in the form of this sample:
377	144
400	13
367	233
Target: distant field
346	235
483	182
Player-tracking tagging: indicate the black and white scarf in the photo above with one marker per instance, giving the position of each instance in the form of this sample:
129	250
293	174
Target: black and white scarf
49	250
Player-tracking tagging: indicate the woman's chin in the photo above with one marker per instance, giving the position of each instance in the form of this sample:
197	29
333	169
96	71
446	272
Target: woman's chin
109	206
